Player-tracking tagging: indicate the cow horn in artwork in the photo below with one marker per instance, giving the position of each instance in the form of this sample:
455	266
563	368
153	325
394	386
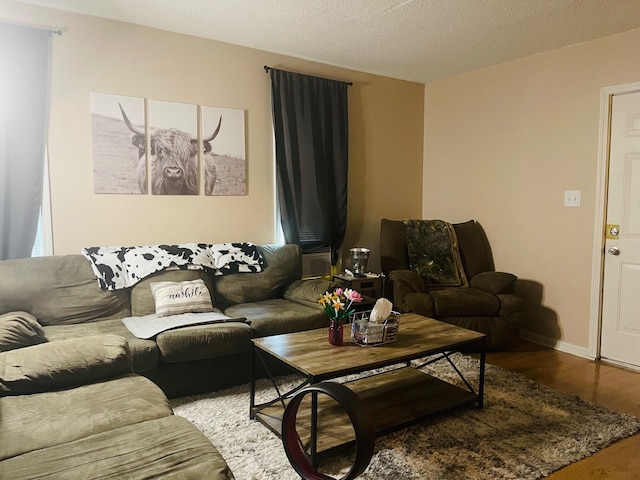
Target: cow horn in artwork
132	127
214	134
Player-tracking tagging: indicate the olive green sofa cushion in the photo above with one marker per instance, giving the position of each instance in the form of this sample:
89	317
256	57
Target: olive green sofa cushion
169	448
46	419
204	341
276	316
63	364
145	353
58	289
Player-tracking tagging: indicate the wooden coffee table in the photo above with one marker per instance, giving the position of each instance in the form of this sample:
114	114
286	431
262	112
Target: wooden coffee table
396	398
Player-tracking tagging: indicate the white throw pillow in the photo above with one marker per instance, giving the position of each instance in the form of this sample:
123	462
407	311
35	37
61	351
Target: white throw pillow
173	298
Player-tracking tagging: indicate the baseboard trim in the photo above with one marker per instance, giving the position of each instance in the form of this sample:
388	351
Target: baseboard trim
620	364
556	344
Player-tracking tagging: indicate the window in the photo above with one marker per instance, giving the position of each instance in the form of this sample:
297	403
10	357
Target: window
310	120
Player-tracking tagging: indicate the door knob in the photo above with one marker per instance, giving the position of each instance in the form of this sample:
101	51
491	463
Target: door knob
614	251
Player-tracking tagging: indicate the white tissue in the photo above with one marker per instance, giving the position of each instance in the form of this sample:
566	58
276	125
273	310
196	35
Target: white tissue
381	310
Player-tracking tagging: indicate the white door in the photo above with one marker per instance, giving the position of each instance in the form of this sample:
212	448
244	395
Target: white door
620	335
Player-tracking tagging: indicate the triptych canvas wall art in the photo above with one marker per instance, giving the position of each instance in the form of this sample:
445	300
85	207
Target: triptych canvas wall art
145	146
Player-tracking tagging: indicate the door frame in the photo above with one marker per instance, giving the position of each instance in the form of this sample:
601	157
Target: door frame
597	264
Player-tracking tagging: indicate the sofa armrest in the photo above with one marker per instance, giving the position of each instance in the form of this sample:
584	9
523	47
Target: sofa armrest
308	292
510	304
404	283
63	364
420	303
494	282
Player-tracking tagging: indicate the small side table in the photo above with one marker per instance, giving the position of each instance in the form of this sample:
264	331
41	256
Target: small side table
370	286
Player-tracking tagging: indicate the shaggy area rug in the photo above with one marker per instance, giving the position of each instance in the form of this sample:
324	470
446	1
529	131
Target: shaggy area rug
524	431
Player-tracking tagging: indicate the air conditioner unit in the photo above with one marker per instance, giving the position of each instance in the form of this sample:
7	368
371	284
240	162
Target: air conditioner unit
316	264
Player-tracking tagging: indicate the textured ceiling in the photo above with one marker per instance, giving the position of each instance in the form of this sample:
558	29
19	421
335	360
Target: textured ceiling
417	40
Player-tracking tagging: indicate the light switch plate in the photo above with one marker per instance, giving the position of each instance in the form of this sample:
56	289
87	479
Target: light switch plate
572	198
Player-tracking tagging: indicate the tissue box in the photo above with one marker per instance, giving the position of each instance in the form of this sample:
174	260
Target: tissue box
369	334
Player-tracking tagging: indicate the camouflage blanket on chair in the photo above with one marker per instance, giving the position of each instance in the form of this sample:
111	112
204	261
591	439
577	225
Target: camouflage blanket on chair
433	252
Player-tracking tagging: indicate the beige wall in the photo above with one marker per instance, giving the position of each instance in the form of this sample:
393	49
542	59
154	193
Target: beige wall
96	55
501	146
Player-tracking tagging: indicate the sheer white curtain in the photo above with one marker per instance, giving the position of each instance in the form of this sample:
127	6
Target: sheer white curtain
24	107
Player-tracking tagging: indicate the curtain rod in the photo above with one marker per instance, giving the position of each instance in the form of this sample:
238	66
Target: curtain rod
52	30
267	68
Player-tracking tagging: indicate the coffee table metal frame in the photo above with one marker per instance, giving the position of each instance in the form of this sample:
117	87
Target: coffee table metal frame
414	394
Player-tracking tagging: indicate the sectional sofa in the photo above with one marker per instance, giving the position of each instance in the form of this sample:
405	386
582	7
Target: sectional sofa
62	293
74	400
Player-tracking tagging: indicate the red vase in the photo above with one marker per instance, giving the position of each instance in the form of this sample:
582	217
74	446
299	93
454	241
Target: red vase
335	333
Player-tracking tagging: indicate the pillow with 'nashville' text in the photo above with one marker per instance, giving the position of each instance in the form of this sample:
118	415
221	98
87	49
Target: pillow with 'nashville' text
173	298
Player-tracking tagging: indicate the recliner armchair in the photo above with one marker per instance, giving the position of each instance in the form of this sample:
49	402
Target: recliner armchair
484	303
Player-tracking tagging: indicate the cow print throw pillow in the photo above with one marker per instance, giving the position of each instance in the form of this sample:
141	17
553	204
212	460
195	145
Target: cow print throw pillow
173	298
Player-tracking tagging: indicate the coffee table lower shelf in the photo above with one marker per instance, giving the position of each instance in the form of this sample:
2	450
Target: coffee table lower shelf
394	399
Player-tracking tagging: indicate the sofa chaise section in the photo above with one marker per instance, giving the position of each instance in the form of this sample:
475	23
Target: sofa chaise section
73	409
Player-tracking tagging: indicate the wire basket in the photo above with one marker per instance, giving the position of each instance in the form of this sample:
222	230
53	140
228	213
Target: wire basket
370	334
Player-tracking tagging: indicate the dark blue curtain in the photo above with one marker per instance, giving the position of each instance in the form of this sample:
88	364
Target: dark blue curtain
24	106
311	124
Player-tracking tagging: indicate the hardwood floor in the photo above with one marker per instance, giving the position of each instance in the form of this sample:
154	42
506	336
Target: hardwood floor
608	385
